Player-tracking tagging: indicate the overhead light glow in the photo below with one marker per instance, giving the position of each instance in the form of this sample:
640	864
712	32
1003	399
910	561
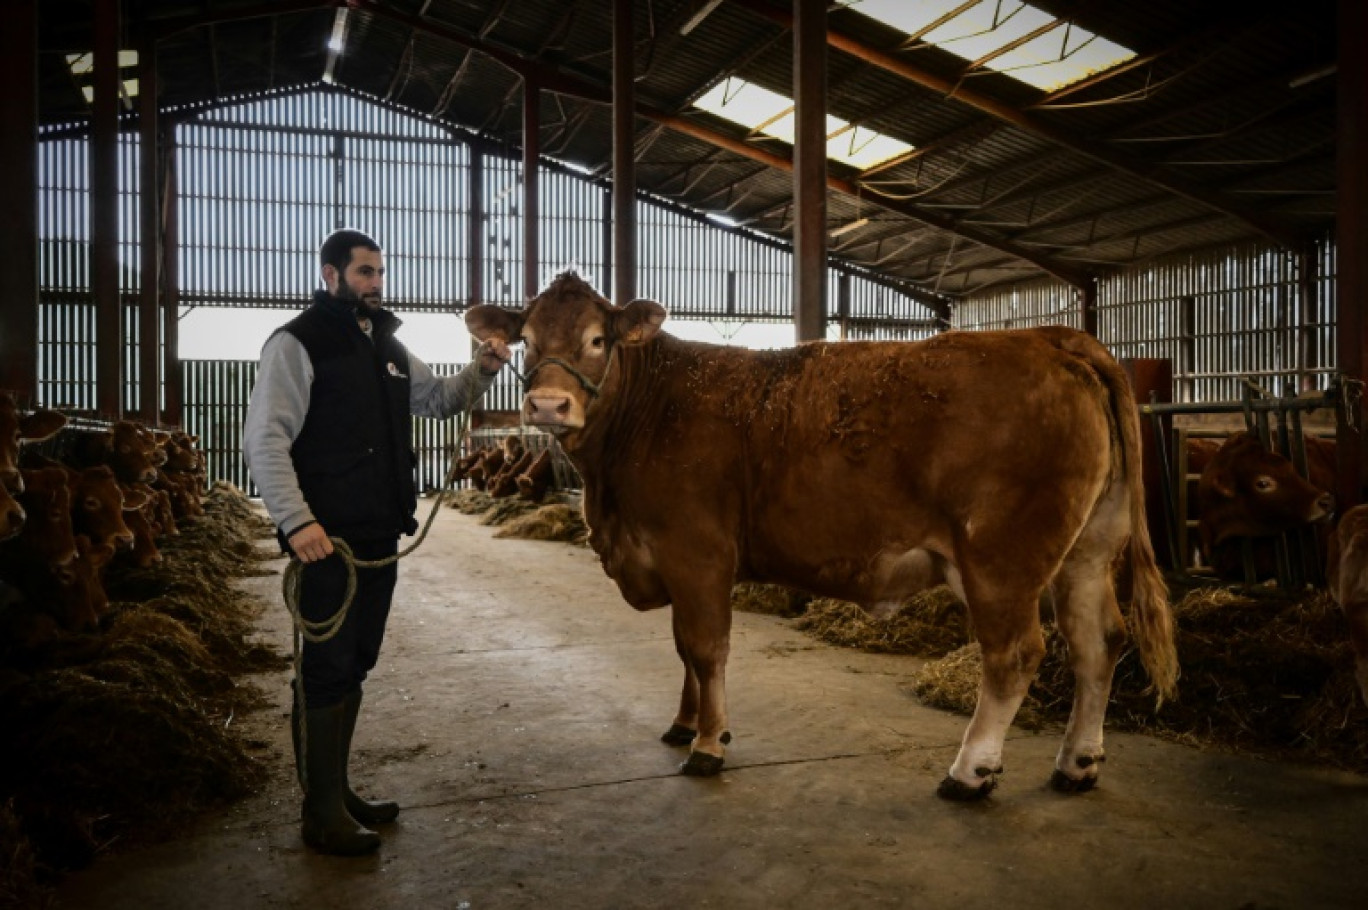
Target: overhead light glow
84	64
1052	52
772	114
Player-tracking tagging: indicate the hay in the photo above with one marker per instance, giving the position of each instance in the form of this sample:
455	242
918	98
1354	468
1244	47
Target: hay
470	502
20	871
553	522
771	600
506	509
929	624
124	735
1261	673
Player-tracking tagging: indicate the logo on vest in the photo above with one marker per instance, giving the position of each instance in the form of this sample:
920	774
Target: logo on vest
394	371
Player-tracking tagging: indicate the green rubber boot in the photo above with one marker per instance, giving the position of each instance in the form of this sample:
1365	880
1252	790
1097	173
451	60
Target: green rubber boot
327	825
367	812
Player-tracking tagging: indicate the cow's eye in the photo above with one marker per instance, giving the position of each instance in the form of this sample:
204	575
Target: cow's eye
597	343
92	503
1265	484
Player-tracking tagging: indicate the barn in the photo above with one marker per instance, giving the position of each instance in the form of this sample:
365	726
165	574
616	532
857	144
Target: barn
831	197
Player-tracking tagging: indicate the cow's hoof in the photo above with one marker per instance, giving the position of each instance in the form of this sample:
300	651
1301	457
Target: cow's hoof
1066	784
960	792
678	735
701	764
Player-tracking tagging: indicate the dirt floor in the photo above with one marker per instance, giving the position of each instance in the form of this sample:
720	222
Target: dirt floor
516	715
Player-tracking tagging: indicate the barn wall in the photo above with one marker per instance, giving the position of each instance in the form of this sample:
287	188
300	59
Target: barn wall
261	182
1219	316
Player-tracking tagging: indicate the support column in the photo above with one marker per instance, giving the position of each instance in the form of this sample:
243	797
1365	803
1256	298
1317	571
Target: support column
624	157
19	186
531	188
1088	300
809	169
475	227
104	213
1351	237
173	412
149	205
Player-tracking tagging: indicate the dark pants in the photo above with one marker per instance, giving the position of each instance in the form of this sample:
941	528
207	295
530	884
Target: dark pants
336	668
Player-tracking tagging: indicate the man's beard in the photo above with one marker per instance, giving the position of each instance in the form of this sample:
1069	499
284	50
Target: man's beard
367	304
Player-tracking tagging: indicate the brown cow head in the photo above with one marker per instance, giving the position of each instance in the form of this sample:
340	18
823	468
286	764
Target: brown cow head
570	332
1247	491
16	429
47	534
98	504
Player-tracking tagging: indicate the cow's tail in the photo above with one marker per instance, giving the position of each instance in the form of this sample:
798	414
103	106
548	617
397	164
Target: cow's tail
1151	619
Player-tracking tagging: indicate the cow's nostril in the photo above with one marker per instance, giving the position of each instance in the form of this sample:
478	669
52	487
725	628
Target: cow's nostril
563	407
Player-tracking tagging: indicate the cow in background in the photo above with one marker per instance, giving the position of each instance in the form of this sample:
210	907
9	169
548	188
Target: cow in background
15	430
1246	491
1347	573
861	471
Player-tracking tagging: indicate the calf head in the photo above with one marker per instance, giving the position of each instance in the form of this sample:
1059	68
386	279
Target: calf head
570	332
133	452
98	504
16	428
1247	491
47	534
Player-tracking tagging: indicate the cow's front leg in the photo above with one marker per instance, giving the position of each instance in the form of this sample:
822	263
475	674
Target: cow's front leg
702	629
685	726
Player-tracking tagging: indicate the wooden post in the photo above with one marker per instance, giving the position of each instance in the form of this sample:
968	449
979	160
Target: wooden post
173	412
104	213
149	204
1351	233
624	155
19	187
809	169
531	187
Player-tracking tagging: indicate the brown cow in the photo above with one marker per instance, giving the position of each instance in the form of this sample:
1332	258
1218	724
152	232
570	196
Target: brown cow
1347	573
537	478
16	429
98	505
1248	491
1004	461
128	448
43	556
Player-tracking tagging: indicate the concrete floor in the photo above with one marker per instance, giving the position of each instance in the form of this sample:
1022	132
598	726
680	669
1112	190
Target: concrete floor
516	713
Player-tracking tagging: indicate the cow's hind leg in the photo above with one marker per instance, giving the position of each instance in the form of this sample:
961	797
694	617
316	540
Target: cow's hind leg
1087	615
1012	647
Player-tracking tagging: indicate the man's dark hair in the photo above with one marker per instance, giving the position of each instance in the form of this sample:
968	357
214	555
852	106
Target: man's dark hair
337	249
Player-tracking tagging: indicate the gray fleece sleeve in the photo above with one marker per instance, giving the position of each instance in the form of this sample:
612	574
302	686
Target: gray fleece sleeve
445	396
280	402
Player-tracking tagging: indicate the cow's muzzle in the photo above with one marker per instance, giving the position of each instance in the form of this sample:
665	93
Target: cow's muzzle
551	408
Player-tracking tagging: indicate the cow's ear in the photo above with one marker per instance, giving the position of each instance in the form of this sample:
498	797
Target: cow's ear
1223	482
638	322
41	424
134	500
486	321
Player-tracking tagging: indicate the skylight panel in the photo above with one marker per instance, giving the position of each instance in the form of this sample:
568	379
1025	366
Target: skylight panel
772	114
1007	36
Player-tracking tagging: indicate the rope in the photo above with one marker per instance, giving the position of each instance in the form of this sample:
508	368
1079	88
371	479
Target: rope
292	588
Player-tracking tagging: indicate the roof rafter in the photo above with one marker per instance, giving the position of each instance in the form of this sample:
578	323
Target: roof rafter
1144	170
556	80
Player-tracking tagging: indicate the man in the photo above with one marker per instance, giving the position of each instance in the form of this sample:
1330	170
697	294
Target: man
328	442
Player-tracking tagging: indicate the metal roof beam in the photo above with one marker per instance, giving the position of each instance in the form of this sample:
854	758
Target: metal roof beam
1018	118
555	80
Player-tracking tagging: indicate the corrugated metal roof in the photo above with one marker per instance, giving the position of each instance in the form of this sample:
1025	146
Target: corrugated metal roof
1222	129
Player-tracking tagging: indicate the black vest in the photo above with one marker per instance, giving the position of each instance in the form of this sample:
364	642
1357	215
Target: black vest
354	456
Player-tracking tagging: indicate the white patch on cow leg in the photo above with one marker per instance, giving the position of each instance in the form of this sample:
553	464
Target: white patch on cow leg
956	583
1087	616
688	699
1007	674
1089	620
